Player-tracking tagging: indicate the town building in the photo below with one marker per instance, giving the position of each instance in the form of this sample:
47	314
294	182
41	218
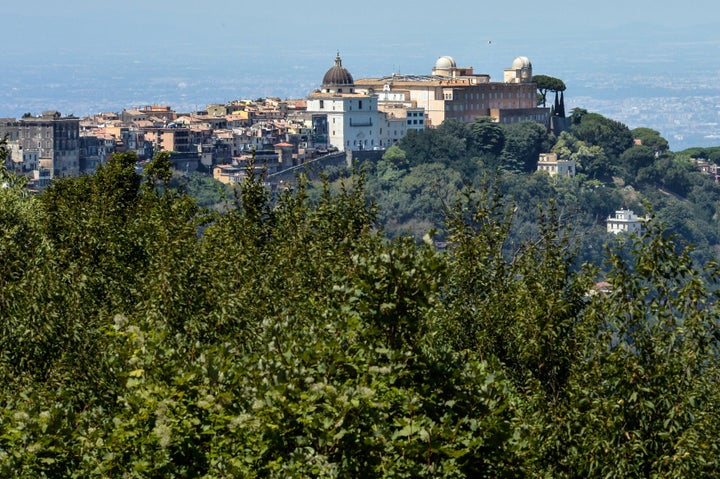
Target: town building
452	92
709	169
624	221
49	142
550	164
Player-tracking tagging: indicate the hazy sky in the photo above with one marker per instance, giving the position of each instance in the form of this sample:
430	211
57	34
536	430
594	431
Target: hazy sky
278	27
86	56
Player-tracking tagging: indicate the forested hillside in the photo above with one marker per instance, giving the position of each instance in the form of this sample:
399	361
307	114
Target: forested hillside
420	178
143	336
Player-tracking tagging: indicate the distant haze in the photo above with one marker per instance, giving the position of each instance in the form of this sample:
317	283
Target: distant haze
642	63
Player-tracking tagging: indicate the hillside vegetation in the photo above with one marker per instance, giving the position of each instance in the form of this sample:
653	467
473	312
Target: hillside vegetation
143	336
419	180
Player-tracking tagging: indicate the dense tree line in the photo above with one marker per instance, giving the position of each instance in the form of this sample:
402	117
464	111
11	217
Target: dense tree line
144	336
420	177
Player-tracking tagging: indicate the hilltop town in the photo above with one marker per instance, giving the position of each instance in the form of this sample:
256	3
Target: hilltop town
343	118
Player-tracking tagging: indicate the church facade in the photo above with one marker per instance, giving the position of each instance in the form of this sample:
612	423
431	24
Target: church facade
374	113
351	117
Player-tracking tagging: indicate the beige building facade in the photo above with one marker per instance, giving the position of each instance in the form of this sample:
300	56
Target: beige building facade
550	164
452	92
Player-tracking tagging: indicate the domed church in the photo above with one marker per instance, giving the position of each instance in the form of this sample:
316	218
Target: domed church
337	78
350	119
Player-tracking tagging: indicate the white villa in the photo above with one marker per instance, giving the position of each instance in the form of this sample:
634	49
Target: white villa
624	221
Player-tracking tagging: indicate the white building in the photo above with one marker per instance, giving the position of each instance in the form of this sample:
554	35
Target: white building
352	118
624	221
360	120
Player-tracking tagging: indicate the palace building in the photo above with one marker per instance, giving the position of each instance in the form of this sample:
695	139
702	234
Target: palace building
460	93
374	113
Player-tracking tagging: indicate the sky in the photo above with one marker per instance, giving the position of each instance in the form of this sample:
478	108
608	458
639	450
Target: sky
86	56
276	30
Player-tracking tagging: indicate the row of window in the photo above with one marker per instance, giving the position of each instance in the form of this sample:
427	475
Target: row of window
490	96
456	107
497	95
350	105
381	132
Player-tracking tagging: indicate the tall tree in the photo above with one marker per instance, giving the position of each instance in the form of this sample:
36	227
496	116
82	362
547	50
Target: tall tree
547	84
523	144
487	136
651	139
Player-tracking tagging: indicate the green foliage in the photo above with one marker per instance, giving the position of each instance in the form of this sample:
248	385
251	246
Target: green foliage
651	139
523	144
644	398
159	168
711	154
545	84
487	136
144	336
206	191
635	158
596	130
432	145
396	156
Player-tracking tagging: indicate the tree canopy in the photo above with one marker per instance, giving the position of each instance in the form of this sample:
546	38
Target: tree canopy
545	84
289	336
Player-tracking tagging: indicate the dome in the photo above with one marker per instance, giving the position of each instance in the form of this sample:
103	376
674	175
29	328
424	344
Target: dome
445	63
520	63
338	75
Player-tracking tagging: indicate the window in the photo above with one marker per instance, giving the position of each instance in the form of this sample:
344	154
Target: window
322	104
359	104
